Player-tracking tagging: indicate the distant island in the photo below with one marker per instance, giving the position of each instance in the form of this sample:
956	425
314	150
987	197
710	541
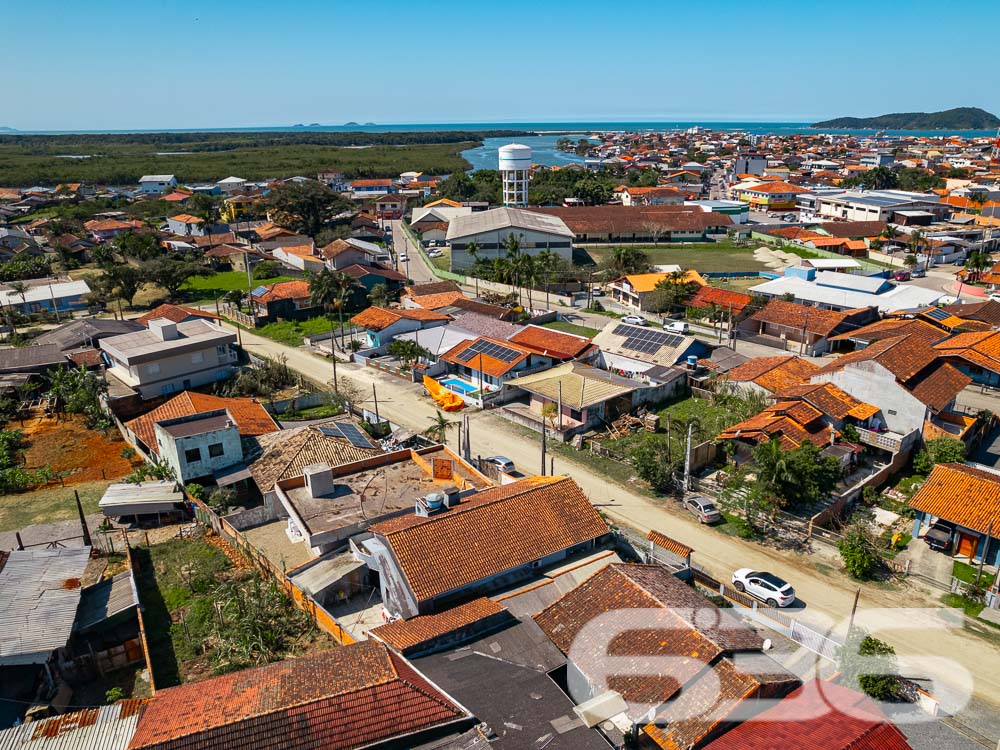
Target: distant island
960	118
5	129
351	124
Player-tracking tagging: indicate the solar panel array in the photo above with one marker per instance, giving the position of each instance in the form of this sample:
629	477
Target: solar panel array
259	291
489	349
646	340
936	313
348	431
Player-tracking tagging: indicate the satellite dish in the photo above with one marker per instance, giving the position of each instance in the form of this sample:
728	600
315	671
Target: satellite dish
767	644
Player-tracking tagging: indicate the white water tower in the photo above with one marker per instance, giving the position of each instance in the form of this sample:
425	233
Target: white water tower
515	172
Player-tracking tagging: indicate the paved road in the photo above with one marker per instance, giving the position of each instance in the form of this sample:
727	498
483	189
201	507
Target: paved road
827	595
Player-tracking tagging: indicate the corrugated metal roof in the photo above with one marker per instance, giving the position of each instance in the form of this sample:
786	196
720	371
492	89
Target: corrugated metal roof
105	600
146	493
105	728
39	595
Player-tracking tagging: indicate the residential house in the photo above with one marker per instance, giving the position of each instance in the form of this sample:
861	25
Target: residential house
31	360
718	670
157	184
328	505
382	325
886	329
333	179
238	208
904	375
583	397
779	323
466	326
640	224
514	528
171	357
875	205
231	185
548	342
186	225
176	314
768	375
300	256
644	353
975	354
371	188
652	196
85	333
359	695
727	301
45	295
104	230
108	727
636	289
487	365
390	207
182	432
283	300
368	277
968	497
819	714
76	247
489	230
342	253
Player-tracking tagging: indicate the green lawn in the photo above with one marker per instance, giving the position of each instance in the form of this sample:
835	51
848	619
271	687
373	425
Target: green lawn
48	505
202	289
967	574
562	325
710	257
291	332
971	608
313	412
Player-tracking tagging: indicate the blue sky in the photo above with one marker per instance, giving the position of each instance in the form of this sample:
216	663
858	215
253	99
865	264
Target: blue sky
146	64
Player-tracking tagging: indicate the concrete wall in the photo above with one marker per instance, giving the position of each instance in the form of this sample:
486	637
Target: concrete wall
872	383
172	451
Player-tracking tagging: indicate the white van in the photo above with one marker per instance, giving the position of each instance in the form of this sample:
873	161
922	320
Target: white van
677	326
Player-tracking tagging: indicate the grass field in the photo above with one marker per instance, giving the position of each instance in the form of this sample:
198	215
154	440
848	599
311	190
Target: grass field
291	332
49	504
712	257
562	325
120	159
204	289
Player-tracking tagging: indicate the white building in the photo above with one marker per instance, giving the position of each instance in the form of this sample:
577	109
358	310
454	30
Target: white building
872	205
156	184
534	232
231	184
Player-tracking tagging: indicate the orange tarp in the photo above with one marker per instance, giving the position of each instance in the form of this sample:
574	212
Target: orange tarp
446	399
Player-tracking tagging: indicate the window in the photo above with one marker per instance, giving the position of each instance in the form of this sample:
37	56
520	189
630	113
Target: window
153	368
192	455
215	450
197	358
221	351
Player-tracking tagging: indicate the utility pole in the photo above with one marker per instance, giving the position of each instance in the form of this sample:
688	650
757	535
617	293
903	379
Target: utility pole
687	458
83	521
378	420
986	548
560	407
543	445
854	610
333	358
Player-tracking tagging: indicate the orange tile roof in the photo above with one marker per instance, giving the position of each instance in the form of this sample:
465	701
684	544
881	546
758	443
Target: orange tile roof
380	318
680	630
981	348
484	363
549	342
434	301
794	315
295	289
961	494
710	295
175	314
187	219
344	698
670	545
493	531
830	399
773	373
770	424
404	635
891	328
646	282
301	251
251	418
778	186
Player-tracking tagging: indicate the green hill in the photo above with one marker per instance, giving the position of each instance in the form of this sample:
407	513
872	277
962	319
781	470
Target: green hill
960	118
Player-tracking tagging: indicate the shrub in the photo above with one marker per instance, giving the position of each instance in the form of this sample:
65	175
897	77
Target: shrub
860	653
859	551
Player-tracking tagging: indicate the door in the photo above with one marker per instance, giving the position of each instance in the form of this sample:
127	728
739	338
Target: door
967	545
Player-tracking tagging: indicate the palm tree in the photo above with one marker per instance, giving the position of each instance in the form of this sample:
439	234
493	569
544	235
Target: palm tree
546	261
235	297
473	250
916	242
530	273
379	295
20	288
771	461
888	235
330	289
513	249
977	262
439	430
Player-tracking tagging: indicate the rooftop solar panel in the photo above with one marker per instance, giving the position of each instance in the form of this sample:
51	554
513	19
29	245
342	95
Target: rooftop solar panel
489	349
355	436
936	313
259	291
331	431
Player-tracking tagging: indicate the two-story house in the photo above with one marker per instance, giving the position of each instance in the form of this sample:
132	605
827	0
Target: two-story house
171	357
285	300
157	184
185	225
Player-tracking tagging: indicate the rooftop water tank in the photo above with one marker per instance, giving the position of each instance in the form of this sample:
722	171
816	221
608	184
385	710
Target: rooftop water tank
434	500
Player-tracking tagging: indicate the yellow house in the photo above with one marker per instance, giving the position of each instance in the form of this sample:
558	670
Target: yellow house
771	196
237	208
632	290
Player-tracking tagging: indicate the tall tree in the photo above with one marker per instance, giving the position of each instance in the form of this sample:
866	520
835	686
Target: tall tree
379	295
439	429
171	272
306	207
330	290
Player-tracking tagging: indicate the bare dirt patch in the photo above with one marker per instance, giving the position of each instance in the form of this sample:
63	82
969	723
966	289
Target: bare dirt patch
73	451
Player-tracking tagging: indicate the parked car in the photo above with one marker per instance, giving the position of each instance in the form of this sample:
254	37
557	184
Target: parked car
597	291
677	326
502	462
939	536
902	276
995	297
917	273
702	508
635	320
773	591
434	253
403	258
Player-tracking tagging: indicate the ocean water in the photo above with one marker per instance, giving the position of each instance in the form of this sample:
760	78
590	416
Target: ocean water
543	151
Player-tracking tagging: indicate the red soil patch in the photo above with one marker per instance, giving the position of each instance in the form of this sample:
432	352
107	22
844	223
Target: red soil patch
67	445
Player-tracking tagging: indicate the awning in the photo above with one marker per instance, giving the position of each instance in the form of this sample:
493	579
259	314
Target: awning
231	475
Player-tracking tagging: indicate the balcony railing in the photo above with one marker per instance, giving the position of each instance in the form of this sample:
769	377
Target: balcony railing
890	441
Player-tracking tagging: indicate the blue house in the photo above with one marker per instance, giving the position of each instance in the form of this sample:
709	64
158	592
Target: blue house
46	295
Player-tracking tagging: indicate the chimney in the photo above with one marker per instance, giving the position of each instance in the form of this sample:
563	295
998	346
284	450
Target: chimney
319	479
163	329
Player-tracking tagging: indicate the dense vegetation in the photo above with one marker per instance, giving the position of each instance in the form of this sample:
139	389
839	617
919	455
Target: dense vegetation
885	178
120	159
960	118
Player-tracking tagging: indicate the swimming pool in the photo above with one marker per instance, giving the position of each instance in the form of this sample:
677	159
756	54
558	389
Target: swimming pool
459	385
